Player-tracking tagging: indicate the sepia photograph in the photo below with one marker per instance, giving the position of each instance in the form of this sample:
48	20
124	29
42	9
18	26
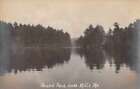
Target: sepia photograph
69	44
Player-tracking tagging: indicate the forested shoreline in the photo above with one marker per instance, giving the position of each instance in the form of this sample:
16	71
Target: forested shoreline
116	38
35	35
94	37
119	43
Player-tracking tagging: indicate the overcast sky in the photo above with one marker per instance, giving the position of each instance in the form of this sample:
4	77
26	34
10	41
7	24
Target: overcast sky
74	16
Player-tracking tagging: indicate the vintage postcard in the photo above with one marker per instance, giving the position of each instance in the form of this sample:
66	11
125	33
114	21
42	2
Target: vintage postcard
69	44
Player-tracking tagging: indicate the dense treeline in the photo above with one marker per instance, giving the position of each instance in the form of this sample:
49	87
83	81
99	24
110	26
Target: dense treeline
123	38
30	35
93	37
123	41
117	37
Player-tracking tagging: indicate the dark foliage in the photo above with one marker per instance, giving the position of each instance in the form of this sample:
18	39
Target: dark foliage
93	37
30	35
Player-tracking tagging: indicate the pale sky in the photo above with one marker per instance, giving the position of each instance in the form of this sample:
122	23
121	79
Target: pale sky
73	16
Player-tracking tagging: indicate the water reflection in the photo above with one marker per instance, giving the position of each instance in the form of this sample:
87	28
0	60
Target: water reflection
97	57
32	66
38	58
94	58
123	57
30	58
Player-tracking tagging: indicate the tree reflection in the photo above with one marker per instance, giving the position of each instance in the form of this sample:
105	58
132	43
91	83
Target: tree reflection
38	58
122	56
94	58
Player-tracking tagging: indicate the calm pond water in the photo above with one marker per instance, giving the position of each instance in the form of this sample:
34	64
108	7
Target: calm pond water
37	68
